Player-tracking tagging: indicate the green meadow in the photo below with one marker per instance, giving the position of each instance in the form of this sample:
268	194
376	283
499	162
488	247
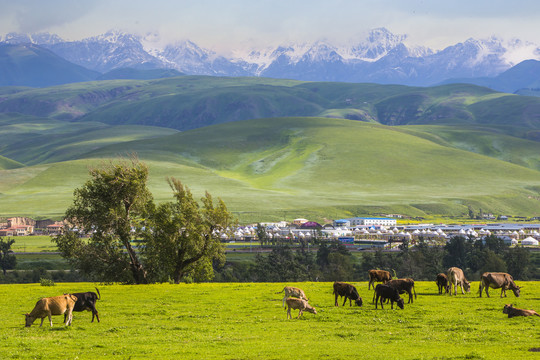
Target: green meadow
247	321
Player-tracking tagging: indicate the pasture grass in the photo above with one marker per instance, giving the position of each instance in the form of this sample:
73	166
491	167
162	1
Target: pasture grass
247	321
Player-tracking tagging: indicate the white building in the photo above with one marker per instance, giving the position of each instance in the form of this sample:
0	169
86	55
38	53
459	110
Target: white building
372	221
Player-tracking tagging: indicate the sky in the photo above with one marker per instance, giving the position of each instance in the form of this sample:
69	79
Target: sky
223	25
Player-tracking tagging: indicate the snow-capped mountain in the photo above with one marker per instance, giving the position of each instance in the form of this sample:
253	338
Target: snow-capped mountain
381	57
106	52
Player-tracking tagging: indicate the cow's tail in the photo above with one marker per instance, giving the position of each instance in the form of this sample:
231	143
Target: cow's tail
99	295
279	292
414	291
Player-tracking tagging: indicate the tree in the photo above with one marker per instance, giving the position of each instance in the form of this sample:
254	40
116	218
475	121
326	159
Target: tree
111	207
518	261
182	238
7	259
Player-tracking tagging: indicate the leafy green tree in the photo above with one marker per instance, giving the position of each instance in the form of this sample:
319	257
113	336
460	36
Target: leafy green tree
7	259
111	207
518	261
457	250
261	234
182	237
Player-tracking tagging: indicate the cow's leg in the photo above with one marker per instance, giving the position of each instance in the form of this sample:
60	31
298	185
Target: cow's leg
487	290
40	325
344	301
336	303
382	300
282	303
392	304
289	313
376	300
50	318
370	283
373	300
410	297
95	313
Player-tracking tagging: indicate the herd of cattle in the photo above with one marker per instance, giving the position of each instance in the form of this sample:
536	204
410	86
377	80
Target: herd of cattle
390	290
296	299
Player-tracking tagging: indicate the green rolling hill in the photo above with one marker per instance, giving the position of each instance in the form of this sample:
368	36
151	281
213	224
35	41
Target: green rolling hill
275	148
316	166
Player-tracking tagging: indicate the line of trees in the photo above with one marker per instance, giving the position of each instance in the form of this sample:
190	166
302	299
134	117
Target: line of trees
333	261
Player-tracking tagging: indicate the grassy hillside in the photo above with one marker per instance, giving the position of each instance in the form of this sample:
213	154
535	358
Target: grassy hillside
456	145
271	168
190	102
248	321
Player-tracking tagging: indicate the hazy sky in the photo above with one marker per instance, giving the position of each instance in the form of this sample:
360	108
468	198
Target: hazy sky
224	24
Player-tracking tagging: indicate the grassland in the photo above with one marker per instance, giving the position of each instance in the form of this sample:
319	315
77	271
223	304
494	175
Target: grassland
247	321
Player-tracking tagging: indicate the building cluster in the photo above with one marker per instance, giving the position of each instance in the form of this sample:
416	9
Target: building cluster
370	231
23	226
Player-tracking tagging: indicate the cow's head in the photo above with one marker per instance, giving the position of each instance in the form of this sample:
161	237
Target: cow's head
507	308
29	320
400	303
467	286
358	301
447	287
311	309
516	290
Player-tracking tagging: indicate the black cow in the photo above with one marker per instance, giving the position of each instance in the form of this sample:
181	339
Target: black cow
348	291
87	301
404	286
387	292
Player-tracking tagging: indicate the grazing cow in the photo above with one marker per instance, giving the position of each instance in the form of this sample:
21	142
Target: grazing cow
292	291
512	311
378	276
56	305
497	280
348	291
457	277
298	304
404	286
87	301
442	283
384	292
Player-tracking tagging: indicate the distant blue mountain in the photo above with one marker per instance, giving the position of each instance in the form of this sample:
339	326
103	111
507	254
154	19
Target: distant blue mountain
32	65
524	78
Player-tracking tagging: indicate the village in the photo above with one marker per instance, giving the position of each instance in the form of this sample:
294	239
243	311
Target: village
357	232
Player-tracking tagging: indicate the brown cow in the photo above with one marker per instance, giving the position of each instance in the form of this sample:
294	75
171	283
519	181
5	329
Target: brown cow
292	291
457	277
378	276
298	304
404	286
512	311
348	291
497	280
57	305
442	283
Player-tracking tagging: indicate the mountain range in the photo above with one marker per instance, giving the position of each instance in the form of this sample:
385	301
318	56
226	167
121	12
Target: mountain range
382	57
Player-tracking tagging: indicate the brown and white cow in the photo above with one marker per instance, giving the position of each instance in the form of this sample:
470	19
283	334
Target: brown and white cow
298	304
404	286
442	283
348	291
496	280
56	305
512	311
457	277
378	276
294	292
